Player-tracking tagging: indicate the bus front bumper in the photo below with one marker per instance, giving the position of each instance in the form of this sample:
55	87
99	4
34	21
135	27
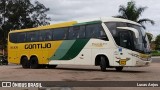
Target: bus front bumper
142	63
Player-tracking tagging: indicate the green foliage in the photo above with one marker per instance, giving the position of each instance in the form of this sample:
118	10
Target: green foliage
20	14
150	36
155	53
157	42
131	12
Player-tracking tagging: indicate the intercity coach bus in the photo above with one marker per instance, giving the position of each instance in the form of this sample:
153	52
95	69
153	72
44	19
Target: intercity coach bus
105	42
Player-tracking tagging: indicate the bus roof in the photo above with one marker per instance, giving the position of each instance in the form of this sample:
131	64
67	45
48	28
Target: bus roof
64	24
75	23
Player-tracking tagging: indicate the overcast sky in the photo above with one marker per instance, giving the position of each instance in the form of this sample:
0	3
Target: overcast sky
67	10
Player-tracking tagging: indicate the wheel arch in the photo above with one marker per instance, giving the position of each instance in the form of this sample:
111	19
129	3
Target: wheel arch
97	60
33	56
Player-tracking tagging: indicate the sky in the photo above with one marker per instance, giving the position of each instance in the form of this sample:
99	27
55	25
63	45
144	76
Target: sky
68	10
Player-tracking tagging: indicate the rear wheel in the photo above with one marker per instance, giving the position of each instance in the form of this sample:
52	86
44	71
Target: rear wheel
51	66
34	63
103	63
25	62
119	68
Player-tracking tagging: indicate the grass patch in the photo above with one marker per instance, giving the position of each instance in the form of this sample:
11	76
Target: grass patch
155	53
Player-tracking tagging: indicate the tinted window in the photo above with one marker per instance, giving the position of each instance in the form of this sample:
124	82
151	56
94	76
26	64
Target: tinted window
60	33
125	39
95	31
48	35
92	31
121	24
13	37
112	26
121	37
32	36
76	32
81	32
45	35
42	36
21	37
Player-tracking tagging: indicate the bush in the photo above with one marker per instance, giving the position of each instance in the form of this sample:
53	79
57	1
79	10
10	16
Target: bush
155	53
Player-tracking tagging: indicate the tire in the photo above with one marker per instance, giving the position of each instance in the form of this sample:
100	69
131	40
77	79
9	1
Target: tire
119	68
34	63
103	63
51	66
25	62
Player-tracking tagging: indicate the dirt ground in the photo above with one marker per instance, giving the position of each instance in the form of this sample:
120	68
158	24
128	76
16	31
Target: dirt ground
79	73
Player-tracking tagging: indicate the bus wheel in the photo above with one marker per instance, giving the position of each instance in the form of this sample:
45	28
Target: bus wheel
51	66
34	63
25	62
103	63
119	68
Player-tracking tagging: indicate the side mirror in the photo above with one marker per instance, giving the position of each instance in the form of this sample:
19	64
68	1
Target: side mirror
130	29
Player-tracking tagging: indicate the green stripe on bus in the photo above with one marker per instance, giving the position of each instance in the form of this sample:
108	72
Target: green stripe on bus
63	49
75	49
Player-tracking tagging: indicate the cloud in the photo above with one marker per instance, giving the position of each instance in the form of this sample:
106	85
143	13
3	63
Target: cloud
67	10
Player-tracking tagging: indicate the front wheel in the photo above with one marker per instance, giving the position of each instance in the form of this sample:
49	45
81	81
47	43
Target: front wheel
34	63
119	68
103	63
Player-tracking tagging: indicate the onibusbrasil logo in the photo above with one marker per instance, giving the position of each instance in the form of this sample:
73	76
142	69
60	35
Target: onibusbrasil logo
21	84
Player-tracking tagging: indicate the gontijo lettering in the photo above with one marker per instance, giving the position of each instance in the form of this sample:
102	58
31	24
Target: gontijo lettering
37	46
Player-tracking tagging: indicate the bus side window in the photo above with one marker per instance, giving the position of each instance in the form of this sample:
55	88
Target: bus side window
42	36
21	37
73	32
92	31
81	32
112	28
48	34
32	36
96	31
76	32
102	34
13	37
60	33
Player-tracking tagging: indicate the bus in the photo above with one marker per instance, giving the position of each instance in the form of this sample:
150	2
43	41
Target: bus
105	42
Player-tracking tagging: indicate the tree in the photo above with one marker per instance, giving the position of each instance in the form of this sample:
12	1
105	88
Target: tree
150	36
20	14
131	12
157	42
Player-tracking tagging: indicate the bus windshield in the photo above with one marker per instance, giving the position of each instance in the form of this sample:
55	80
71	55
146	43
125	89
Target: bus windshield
122	37
142	44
